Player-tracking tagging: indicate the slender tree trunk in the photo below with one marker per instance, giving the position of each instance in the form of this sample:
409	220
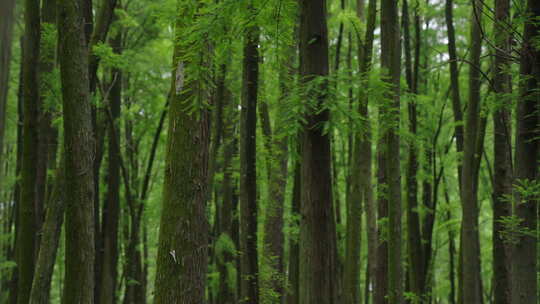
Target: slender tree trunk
277	161
182	258
317	225
111	209
524	252
294	258
249	269
79	151
41	286
27	236
7	9
365	144
414	236
227	292
389	185
502	147
470	238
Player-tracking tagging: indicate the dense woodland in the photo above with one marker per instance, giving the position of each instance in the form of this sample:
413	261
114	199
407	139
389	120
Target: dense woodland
269	151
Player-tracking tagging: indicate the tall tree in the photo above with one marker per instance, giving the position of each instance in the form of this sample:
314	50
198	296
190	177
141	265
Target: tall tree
26	242
111	209
182	257
389	184
249	292
524	253
6	36
502	147
317	226
361	174
79	152
472	292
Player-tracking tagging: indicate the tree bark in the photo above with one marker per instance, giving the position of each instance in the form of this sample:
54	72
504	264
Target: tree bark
389	184
317	225
227	292
472	292
502	147
182	258
249	269
524	251
79	151
27	236
41	286
7	9
111	209
293	279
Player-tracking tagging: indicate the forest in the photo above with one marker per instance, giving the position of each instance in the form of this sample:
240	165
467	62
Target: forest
269	151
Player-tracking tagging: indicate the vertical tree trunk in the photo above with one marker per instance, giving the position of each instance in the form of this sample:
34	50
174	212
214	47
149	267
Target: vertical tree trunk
416	269
226	293
277	160
182	258
111	209
470	238
7	9
317	226
389	183
26	243
502	147
79	151
360	177
524	252
294	251
41	286
249	269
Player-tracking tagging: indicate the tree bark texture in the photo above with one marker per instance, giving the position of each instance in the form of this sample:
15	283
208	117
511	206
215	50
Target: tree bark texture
79	151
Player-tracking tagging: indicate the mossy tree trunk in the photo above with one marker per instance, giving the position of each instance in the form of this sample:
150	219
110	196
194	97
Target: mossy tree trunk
182	258
472	292
27	234
79	152
7	9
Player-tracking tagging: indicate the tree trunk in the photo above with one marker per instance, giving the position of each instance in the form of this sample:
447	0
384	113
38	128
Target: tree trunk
27	236
111	209
524	251
294	259
182	258
472	292
414	236
7	9
226	293
41	286
249	269
317	225
389	185
277	160
79	151
502	147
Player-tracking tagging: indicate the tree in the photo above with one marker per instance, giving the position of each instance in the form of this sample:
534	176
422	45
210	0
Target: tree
79	152
249	291
28	218
182	257
502	147
389	184
317	226
472	291
6	34
524	252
